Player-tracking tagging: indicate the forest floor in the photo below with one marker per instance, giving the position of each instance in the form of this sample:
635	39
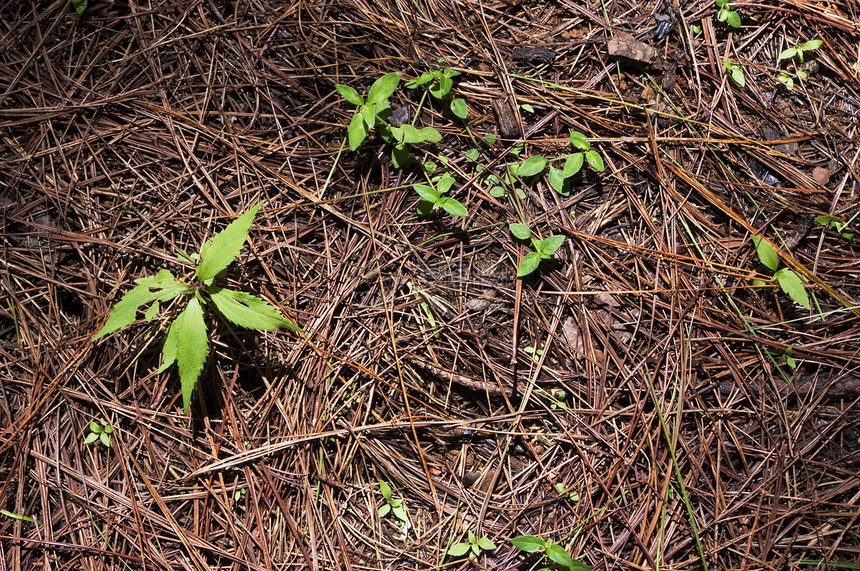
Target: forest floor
673	383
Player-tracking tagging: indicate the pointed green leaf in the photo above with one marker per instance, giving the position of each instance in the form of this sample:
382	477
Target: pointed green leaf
528	265
106	439
383	510
787	54
192	348
520	231
555	178
91	437
151	288
458	549
733	19
452	206
485	544
791	284
222	248
430	135
383	87
385	489
595	160
766	254
445	183
459	108
812	45
572	165
559	556
411	135
427	193
579	141
350	94
168	350
528	543
532	166
356	131
95	427
547	247
152	311
248	311
399	155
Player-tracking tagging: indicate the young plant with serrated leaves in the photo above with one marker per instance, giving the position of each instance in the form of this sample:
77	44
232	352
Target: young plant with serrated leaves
100	430
438	83
187	340
543	249
726	15
560	179
472	544
558	556
788	280
432	197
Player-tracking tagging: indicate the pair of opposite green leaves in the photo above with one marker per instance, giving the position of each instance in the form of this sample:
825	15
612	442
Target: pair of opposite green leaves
187	339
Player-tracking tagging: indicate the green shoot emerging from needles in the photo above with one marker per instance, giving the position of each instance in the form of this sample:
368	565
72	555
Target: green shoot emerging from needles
798	50
555	553
432	197
727	15
439	83
736	72
544	249
100	430
473	544
187	340
788	280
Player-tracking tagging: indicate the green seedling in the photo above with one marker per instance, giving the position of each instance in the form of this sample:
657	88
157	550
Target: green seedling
432	197
535	352
80	6
476	546
726	15
393	506
372	113
785	357
439	83
788	280
558	397
239	494
563	490
187	341
544	249
558	556
560	179
100	430
799	50
787	80
831	223
736	72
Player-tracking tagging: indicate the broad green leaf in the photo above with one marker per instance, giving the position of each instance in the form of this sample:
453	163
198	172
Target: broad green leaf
527	108
787	54
92	437
425	207
383	87
491	138
427	193
399	511
152	311
791	284
95	426
222	248
349	93
528	543
486	544
168	350
383	510
559	556
738	76
368	116
528	265
430	135
812	45
192	348
399	155
595	160
555	177
579	141
473	155
497	192
459	108
106	439
443	88
520	193
445	183
385	489
160	287
425	77
452	207
547	247
248	311
532	166
356	132
579	566
572	164
520	231
766	254
458	549
411	135
80	6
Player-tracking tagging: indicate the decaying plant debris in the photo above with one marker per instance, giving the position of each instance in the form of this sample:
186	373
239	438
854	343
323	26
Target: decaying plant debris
657	390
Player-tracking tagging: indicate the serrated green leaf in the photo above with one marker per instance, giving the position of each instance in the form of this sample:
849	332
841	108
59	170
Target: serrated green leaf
485	544
91	437
427	193
221	249
249	311
559	556
528	543
766	254
791	284
192	348
168	349
152	311
595	160
459	108
349	93
151	288
572	164
452	206
383	87
385	489
529	264
579	141
458	549
547	247
520	231
532	166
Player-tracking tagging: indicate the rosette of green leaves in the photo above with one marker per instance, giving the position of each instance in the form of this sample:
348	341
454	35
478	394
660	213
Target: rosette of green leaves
544	249
187	339
559	179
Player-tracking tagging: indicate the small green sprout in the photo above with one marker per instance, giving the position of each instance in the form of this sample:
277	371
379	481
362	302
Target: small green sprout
831	223
559	179
80	6
563	490
439	83
788	280
787	80
785	357
432	197
736	72
476	546
239	494
799	50
727	15
392	505
544	249
555	553
372	113
100	430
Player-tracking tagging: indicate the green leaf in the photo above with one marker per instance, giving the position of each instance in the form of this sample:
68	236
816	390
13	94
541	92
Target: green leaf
528	543
411	135
812	45
452	206
459	108
168	350
80	6
572	164
547	247
738	76
555	177
383	510
445	183
528	265
222	248
491	138
787	54
425	207
356	132
248	311
160	287
520	231
192	348
399	155
91	437
399	511
152	311
473	155
349	93
106	439
532	166
766	254
733	19
497	192
559	556
383	87
791	284
385	489
368	116
595	160
485	544
579	141
458	549
430	135
427	193
95	427
443	88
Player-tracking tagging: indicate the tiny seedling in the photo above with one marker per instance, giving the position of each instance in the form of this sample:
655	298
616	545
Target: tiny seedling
558	397
476	546
559	179
544	249
559	556
371	113
788	280
787	80
799	50
80	6
100	430
392	505
187	340
726	15
432	197
439	83
736	72
563	490
535	352
784	357
831	223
